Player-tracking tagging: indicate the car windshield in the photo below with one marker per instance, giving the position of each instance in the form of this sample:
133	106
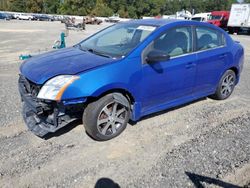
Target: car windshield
116	41
215	17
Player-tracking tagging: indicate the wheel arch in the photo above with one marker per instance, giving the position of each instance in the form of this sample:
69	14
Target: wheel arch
236	71
122	91
134	105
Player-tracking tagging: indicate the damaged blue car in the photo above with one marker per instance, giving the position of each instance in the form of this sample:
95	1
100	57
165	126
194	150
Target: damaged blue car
125	72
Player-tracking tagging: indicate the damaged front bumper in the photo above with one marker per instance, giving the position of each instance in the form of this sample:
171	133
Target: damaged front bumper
48	115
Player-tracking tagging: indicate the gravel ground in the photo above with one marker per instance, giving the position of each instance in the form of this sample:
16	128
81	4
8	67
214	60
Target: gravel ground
202	144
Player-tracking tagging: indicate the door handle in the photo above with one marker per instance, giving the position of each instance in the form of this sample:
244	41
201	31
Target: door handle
190	65
223	56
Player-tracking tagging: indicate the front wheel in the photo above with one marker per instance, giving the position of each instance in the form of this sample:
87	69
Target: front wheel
226	85
107	117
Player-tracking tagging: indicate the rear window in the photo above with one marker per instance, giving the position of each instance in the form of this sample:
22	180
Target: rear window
208	38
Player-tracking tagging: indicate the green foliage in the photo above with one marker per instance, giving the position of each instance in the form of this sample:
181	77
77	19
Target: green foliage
4	5
132	12
76	7
51	7
101	9
17	5
35	6
126	8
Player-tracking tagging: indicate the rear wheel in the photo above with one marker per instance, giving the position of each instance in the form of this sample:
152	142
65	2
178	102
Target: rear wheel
107	117
230	30
248	31
226	85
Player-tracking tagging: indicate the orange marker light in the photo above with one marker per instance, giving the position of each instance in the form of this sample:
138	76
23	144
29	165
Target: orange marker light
61	91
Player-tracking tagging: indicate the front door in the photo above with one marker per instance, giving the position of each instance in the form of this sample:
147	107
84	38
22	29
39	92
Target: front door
172	79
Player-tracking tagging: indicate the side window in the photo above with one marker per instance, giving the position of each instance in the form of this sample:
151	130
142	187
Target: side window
175	42
208	38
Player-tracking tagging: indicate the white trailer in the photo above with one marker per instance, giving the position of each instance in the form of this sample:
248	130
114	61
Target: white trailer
239	18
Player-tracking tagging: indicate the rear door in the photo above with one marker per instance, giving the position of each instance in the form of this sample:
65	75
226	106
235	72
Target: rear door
212	57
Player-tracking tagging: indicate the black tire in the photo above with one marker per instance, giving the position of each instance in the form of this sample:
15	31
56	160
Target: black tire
219	94
96	112
32	122
230	30
248	31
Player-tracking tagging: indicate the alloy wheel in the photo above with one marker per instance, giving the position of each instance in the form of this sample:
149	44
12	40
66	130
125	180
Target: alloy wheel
111	118
227	85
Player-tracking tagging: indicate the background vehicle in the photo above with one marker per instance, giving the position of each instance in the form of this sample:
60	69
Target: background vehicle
65	19
184	14
16	15
128	71
25	17
71	24
180	15
201	17
58	17
113	19
42	17
92	20
239	18
219	18
4	16
10	15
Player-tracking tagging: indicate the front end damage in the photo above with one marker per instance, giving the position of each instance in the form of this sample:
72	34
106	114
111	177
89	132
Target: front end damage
45	116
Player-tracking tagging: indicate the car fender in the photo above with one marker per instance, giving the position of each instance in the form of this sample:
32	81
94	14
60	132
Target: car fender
122	75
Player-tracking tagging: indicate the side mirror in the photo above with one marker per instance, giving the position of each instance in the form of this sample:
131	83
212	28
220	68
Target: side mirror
157	56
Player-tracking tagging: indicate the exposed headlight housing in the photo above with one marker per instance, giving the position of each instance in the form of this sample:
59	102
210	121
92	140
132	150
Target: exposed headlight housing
53	89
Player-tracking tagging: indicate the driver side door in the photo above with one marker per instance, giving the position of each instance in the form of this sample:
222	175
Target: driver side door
166	82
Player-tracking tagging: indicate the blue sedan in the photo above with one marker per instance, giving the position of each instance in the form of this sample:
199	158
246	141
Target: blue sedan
127	71
4	16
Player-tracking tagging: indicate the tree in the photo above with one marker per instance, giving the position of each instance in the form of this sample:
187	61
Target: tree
51	7
17	5
132	12
76	7
126	8
4	5
101	9
123	12
35	6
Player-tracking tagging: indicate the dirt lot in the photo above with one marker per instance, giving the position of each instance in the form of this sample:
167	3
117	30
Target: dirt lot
205	143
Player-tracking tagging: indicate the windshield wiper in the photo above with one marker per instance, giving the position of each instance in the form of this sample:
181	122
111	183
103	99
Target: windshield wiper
93	51
80	47
98	53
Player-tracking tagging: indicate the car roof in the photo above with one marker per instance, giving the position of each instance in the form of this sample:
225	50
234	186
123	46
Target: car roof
155	22
163	22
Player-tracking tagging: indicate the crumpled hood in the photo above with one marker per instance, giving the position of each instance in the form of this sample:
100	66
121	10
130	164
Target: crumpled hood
39	69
